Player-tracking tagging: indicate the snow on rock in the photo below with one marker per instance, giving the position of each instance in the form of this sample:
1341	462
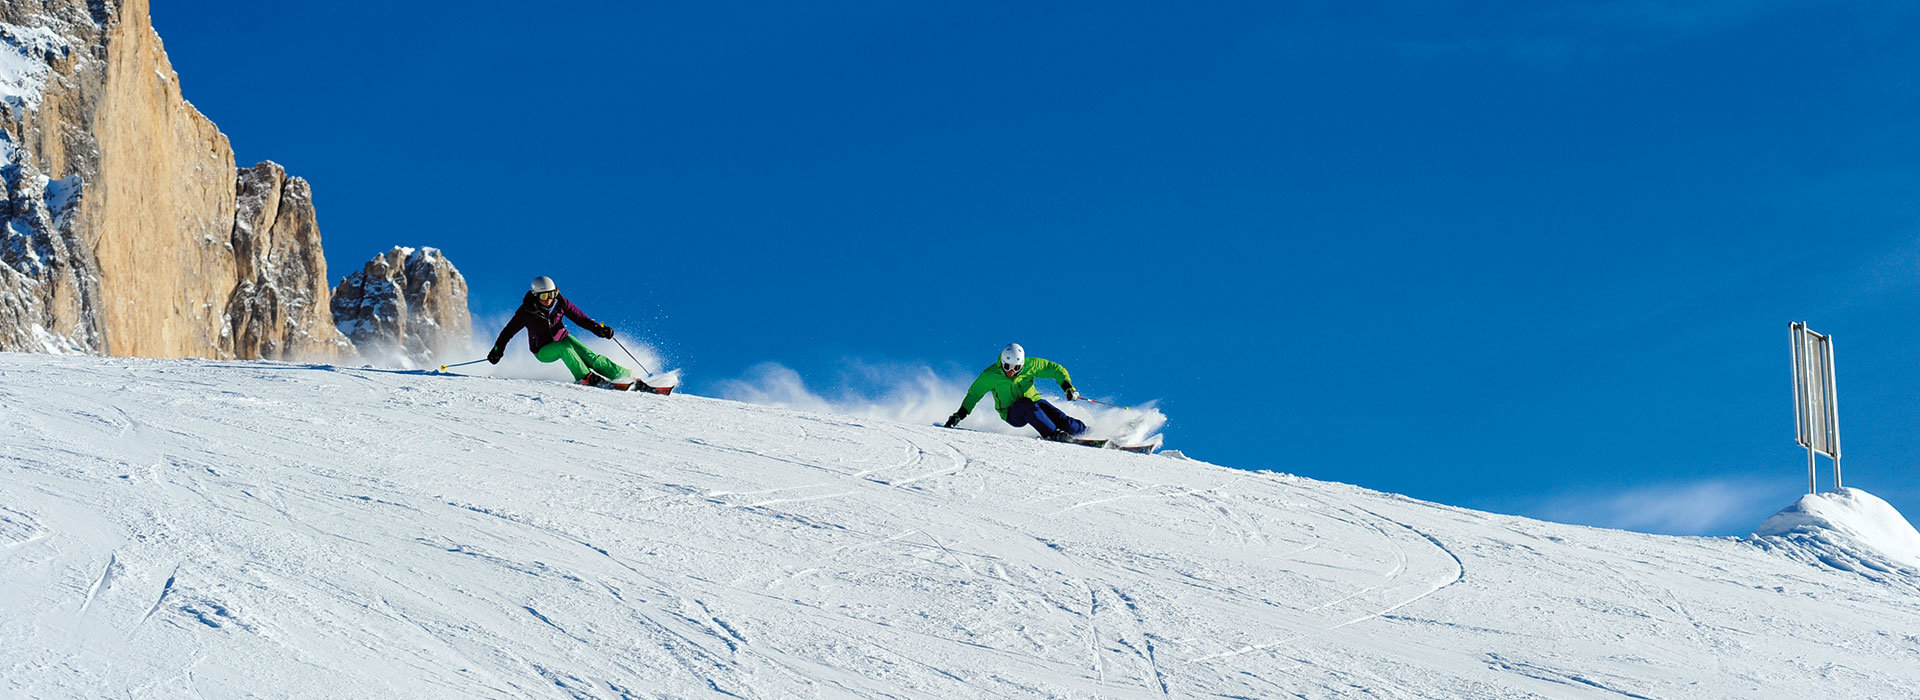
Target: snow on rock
27	55
191	528
1847	529
43	262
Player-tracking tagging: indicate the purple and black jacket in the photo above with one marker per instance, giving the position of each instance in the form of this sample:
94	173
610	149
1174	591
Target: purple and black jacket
544	324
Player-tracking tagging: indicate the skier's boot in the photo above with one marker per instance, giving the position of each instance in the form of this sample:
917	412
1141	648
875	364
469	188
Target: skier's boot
593	380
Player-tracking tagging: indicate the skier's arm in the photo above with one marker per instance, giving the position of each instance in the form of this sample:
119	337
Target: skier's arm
1048	369
974	393
580	317
500	345
574	312
513	328
1053	370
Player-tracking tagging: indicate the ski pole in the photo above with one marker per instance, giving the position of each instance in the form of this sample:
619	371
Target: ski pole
443	368
1103	403
636	360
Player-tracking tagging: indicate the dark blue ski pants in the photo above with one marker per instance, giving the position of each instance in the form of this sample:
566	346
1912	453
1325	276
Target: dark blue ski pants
1043	417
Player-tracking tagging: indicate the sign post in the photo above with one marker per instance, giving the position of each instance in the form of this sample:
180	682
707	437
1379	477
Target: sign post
1816	400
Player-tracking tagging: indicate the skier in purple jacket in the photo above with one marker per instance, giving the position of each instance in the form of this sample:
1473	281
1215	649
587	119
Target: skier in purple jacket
542	313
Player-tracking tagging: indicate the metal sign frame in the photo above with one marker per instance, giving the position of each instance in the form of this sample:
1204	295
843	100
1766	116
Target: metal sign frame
1816	399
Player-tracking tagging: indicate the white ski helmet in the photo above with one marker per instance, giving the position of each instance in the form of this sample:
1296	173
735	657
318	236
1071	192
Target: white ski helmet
544	288
1012	358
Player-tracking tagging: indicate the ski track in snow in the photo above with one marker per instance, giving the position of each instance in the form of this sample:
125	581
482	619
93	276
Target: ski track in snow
106	576
222	528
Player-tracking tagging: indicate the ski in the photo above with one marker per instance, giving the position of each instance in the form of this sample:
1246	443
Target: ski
1144	449
1109	444
637	385
1096	443
630	384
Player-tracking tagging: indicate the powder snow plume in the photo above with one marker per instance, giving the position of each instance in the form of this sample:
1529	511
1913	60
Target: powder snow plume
917	394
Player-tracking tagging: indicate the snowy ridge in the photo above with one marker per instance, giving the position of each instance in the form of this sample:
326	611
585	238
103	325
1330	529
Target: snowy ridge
175	528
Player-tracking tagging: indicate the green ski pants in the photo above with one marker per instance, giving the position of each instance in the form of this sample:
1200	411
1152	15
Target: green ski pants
579	359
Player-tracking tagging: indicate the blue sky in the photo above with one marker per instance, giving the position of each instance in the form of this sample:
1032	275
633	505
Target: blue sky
1536	258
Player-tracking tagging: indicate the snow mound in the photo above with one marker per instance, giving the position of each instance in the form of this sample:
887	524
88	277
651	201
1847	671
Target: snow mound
1848	529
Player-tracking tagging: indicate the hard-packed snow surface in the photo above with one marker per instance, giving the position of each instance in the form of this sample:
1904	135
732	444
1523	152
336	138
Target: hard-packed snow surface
170	528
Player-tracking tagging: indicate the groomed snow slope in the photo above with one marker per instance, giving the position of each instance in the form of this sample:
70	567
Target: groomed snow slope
170	528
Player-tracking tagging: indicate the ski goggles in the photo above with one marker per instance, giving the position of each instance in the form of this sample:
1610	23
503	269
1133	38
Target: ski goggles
546	295
1010	370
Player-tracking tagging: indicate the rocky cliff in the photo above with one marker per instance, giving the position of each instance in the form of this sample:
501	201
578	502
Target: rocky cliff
123	231
407	307
279	307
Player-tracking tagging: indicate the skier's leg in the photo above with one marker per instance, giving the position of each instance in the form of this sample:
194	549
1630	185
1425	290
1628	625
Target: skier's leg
567	351
599	363
1072	425
1018	415
1023	412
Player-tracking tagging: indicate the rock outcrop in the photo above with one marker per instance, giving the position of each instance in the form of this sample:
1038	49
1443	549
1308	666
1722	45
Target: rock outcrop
407	307
121	232
50	281
280	307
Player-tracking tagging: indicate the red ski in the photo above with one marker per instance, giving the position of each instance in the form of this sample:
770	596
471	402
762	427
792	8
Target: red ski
625	384
637	385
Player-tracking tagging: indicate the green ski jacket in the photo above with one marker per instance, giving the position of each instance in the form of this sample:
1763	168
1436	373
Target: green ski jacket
1007	390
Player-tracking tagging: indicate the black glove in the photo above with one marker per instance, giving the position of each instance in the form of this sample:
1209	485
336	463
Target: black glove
956	417
1072	395
493	356
603	330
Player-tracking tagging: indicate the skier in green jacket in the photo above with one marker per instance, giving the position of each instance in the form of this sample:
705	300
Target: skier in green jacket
1011	381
